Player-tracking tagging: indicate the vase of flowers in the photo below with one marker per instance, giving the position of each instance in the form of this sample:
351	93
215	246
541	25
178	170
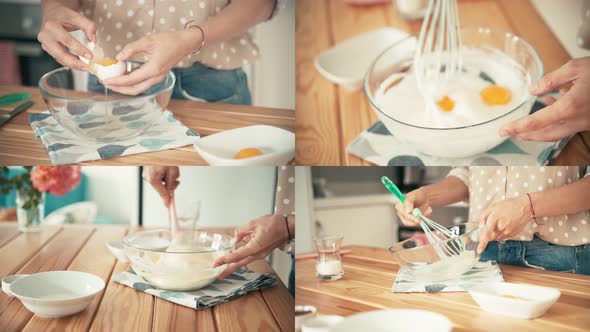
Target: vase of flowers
31	188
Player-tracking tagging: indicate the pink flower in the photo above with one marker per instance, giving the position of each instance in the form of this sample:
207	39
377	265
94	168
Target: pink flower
58	180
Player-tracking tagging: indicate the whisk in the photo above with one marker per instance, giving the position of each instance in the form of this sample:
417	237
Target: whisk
439	45
436	234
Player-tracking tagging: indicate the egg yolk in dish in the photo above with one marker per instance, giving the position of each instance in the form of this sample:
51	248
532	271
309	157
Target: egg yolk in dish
495	95
106	62
248	153
446	104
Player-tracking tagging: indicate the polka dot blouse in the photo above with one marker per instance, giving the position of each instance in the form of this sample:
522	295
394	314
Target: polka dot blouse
492	184
121	22
285	192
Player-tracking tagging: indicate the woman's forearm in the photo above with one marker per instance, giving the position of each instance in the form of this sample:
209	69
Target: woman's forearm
448	191
568	199
48	5
237	18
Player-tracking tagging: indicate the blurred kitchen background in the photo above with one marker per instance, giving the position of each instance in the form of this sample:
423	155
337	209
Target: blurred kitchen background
352	201
209	196
272	79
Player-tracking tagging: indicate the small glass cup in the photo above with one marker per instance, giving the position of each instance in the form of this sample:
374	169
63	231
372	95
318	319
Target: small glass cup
329	263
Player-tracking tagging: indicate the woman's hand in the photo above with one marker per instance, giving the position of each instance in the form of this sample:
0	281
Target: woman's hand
261	235
164	179
55	38
563	117
417	198
164	51
504	220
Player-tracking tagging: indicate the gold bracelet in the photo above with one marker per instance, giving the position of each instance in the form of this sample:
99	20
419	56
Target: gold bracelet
189	26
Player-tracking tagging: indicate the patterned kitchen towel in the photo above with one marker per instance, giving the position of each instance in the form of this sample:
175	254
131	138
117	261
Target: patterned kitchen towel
64	147
220	291
482	272
378	146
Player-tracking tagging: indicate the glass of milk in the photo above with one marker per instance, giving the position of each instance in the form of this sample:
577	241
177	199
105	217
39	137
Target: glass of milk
329	264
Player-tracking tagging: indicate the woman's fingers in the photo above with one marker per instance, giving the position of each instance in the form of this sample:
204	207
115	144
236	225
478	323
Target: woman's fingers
134	90
231	268
538	120
155	180
142	74
85	24
62	56
487	234
237	255
554	132
141	45
555	79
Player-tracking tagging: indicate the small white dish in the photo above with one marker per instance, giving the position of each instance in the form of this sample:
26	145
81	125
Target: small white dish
322	323
347	63
301	318
395	320
117	249
6	281
277	145
56	294
515	300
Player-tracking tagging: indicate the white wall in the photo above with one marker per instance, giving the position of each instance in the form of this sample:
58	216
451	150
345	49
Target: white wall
115	190
230	196
272	79
303	210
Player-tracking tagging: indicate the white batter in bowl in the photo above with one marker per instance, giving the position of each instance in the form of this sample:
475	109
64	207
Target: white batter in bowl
179	264
472	127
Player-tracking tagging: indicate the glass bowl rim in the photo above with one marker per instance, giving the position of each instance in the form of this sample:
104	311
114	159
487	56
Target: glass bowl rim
230	242
49	94
534	52
332	237
394	251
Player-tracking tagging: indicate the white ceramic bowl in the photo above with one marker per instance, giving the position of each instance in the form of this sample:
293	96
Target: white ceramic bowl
322	323
278	146
300	319
515	300
395	320
459	141
56	294
346	63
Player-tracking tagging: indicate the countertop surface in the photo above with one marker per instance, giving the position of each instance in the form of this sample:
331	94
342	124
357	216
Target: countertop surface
330	117
118	307
369	274
19	146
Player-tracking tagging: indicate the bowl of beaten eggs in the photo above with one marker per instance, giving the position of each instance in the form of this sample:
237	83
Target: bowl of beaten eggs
462	117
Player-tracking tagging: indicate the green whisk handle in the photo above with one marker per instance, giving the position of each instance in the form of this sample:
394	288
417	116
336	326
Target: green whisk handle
393	188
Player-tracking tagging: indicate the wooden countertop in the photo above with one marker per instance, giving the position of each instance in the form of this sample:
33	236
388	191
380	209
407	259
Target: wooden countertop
369	274
19	146
329	117
118	307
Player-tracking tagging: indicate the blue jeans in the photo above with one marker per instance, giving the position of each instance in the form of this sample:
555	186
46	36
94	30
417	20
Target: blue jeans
292	276
200	82
540	254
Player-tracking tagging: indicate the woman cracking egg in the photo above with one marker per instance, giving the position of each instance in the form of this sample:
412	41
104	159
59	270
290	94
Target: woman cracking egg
204	42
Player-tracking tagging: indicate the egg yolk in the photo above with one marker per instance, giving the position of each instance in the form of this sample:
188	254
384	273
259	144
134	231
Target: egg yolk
248	153
446	104
106	62
495	95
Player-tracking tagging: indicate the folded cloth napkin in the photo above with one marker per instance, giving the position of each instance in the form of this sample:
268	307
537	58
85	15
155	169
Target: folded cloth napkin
378	146
64	147
220	291
482	272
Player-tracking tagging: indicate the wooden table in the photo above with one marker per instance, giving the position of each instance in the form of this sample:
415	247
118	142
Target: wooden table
330	117
118	307
19	146
369	274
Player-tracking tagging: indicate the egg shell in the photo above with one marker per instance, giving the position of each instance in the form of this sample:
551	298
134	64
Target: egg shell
106	72
90	47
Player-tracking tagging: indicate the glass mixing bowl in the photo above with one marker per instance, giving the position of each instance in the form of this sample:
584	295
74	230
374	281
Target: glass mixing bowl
179	264
424	262
96	114
459	141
